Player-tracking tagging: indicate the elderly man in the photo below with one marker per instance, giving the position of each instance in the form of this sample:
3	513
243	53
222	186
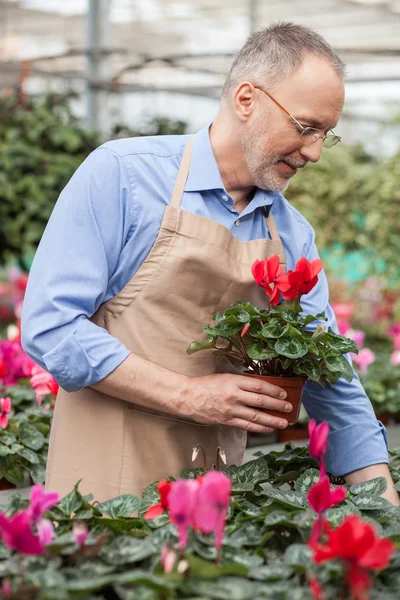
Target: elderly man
153	235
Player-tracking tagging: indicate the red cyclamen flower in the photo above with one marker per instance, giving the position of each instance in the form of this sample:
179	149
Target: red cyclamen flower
267	274
302	280
320	497
318	445
362	550
164	488
316	589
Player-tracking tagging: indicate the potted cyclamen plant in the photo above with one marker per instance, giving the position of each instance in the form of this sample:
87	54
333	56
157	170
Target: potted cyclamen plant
279	343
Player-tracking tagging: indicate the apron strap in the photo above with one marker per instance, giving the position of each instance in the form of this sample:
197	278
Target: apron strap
272	228
181	182
182	175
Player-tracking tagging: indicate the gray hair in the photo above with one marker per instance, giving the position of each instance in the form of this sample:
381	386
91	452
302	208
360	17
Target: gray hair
276	52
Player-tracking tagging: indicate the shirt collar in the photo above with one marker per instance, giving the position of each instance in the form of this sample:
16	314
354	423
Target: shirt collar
204	173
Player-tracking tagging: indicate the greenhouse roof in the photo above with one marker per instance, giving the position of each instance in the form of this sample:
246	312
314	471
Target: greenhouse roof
186	45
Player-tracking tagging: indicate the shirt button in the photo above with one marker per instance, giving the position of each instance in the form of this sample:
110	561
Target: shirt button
225	198
237	223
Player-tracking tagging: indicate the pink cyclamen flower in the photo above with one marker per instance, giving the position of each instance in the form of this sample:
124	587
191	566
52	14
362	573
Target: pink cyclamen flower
318	445
182	502
212	504
5	405
168	559
45	531
43	383
357	336
80	532
16	533
41	501
395	358
363	359
6	588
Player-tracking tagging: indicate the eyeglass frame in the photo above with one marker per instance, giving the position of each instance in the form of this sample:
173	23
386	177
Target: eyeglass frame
323	136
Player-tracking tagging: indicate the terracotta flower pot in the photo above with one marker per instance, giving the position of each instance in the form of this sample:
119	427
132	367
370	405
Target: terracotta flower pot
293	386
6	485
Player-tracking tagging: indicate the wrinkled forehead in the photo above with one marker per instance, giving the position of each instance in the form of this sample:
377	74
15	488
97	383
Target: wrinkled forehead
313	93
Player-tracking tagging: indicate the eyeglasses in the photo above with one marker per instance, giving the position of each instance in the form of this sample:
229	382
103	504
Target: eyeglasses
309	135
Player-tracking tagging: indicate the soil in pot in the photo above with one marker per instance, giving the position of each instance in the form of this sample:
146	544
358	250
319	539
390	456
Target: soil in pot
294	389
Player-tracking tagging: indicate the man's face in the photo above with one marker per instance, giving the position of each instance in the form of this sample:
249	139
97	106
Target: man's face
271	143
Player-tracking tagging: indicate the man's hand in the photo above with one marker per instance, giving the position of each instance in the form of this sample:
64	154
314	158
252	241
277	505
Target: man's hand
224	399
234	400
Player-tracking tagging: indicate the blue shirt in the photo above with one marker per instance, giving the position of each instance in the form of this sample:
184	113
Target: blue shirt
101	230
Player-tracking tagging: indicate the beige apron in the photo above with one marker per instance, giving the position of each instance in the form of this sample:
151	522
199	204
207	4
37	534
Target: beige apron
195	268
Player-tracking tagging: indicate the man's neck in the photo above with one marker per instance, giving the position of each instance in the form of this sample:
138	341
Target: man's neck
231	164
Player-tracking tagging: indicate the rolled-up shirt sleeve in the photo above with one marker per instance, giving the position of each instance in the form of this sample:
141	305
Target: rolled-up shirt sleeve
357	439
68	280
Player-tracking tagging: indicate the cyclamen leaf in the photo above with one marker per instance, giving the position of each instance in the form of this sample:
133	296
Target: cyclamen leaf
121	506
291	347
306	480
298	556
31	437
377	486
288	498
369	502
246	476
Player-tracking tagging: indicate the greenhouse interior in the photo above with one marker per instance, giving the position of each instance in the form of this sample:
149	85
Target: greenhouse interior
145	453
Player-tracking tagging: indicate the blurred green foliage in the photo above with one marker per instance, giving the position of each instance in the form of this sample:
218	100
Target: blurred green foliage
352	200
41	145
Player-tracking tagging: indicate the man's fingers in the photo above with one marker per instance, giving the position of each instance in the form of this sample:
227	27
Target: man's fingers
265	402
258	386
250	427
260	417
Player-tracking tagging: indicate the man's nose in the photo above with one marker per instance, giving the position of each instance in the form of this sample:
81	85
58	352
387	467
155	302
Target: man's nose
312	152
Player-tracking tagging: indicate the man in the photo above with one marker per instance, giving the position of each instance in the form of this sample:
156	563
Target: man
125	277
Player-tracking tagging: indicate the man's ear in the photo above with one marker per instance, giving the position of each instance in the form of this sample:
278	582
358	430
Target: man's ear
244	100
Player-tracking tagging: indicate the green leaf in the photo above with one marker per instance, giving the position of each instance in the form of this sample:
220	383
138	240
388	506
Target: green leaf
259	351
7	438
337	362
245	477
278	517
15	474
29	455
298	556
369	502
250	534
274	329
288	498
204	345
291	347
377	486
121	506
71	503
307	480
191	473
271	572
4	450
225	588
37	473
223	329
125	549
31	437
